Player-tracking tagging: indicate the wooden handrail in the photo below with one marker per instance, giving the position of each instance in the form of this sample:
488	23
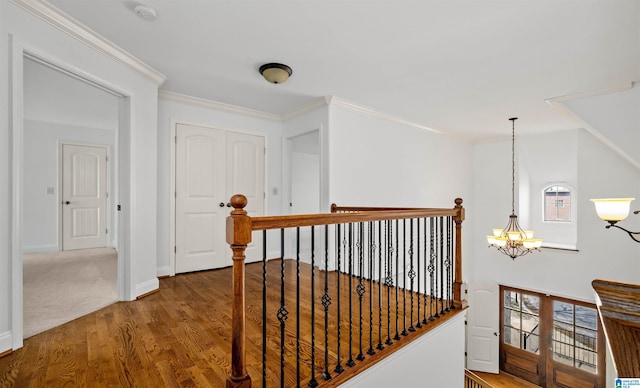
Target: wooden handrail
472	380
240	227
619	307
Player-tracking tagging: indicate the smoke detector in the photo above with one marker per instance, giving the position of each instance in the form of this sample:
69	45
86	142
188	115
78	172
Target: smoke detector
146	13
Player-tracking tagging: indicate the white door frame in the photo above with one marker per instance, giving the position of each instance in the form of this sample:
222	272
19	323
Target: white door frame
171	271
61	144
18	51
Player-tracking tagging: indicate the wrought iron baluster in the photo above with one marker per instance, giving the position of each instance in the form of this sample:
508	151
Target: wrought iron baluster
264	308
397	336
351	362
313	382
360	289
426	271
435	266
372	254
448	265
326	302
404	277
442	266
339	244
298	306
417	291
380	346
282	311
432	268
412	272
388	269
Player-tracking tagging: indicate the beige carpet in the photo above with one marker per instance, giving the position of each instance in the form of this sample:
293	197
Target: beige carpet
62	286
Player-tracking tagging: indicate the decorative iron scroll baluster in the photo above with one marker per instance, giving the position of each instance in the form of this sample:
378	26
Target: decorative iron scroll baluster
351	362
298	306
360	289
412	272
379	346
426	271
432	268
448	265
264	308
404	277
417	291
313	382
326	302
397	336
282	311
441	265
339	243
370	271
388	270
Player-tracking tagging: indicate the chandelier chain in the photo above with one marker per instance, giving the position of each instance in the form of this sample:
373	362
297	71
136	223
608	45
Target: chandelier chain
513	165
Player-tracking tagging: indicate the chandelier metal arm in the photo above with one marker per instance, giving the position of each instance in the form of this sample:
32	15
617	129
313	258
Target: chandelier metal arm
630	233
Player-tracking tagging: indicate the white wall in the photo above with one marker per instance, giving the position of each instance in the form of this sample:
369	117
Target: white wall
182	110
41	156
374	161
434	360
137	193
601	253
543	160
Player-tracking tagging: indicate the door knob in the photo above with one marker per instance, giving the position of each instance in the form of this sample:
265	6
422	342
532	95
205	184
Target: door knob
221	204
67	202
495	333
228	204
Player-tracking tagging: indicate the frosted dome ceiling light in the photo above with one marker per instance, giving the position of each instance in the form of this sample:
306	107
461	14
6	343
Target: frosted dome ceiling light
146	13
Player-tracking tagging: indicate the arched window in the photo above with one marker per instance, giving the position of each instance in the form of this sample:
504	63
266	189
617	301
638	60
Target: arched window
557	203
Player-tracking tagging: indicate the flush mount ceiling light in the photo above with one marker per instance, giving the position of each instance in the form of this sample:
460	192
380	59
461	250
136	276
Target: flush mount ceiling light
512	240
276	73
613	210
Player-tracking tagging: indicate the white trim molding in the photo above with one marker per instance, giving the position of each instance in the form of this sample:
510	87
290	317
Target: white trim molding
589	93
5	341
79	31
147	287
202	102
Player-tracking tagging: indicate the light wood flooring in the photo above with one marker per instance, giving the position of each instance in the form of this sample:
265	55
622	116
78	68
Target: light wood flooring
179	337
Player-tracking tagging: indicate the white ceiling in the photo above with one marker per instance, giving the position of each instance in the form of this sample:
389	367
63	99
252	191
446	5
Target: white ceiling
461	67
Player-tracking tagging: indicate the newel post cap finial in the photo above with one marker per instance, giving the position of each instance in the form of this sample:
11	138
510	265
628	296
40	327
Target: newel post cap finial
239	202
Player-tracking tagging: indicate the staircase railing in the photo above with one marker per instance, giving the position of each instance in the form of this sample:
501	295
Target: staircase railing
370	277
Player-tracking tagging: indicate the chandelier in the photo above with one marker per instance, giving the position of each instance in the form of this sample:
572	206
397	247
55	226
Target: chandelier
513	241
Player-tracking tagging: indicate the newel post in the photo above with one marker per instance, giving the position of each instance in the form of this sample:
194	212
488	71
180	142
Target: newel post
238	237
457	288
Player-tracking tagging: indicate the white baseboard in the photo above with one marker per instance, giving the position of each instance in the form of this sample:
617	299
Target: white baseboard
163	271
6	341
39	248
147	287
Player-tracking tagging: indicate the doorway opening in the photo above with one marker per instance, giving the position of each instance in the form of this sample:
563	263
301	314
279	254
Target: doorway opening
69	260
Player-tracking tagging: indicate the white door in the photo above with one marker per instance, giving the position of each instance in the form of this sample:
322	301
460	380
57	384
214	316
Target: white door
84	197
245	175
211	166
482	328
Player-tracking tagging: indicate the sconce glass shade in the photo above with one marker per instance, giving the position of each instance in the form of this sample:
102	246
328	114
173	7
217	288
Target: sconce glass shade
276	73
612	209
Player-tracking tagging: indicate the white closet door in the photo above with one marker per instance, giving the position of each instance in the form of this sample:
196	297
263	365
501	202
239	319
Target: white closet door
84	197
245	175
200	199
211	166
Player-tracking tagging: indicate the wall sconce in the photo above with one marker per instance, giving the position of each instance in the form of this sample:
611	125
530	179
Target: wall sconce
276	73
613	210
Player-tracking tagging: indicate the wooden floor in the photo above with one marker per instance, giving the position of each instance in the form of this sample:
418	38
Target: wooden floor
504	380
180	336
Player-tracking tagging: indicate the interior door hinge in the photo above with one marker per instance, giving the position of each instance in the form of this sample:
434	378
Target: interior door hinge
106	231
175	249
106	195
175	139
107	158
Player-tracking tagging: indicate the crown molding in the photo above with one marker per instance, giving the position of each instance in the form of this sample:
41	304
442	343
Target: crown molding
72	27
312	105
590	93
389	117
177	97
